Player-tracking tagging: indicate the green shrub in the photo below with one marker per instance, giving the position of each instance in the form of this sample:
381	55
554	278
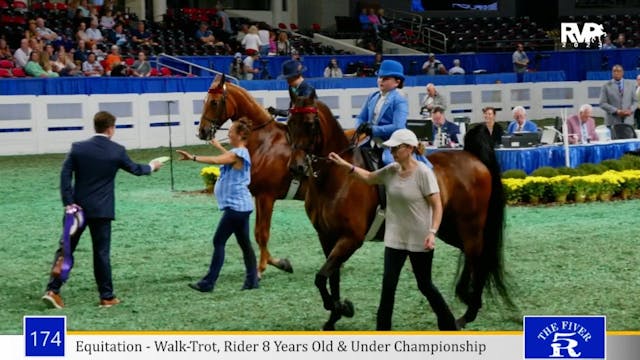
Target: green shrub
514	174
612	164
569	171
630	162
545	171
592	169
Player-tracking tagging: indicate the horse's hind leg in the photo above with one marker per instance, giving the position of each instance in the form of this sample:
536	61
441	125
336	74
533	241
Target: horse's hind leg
264	210
473	277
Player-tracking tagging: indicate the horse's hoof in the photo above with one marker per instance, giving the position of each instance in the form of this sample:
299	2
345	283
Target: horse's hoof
461	323
285	265
328	327
347	309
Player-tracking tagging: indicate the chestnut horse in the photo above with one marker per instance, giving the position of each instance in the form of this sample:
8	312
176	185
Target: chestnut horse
269	149
341	208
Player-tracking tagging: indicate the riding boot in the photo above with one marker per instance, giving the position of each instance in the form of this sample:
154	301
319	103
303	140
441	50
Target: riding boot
251	280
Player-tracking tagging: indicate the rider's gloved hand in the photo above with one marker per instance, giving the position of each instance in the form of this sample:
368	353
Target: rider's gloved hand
365	128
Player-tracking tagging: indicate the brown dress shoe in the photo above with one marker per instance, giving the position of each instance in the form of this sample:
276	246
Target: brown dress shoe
53	300
107	303
57	267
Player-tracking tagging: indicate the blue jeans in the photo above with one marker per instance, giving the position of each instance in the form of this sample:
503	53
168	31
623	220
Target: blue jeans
232	222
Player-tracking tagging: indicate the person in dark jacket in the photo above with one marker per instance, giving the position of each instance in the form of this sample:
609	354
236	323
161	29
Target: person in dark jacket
87	181
292	71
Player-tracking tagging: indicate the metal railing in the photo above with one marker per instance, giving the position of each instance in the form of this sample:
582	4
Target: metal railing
191	66
436	41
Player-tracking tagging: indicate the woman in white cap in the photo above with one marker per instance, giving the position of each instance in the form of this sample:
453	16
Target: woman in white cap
413	216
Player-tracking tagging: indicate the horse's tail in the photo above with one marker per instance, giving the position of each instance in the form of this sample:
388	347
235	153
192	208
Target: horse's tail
478	142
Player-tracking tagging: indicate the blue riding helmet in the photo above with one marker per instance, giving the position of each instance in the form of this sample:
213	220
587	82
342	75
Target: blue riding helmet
291	68
391	68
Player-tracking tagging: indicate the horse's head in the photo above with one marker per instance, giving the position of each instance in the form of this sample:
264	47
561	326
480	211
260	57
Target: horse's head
214	110
304	134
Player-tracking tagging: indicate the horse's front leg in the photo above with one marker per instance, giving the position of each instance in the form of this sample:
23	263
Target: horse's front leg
264	211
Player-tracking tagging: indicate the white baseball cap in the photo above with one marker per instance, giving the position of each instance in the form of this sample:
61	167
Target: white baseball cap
402	136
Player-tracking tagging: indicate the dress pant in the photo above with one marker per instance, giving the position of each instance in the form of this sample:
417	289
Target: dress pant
100	229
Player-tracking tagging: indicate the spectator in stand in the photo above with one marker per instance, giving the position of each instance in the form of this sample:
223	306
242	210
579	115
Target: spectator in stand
33	67
81	34
92	66
456	69
249	64
5	52
45	63
49	51
100	55
107	21
385	24
31	32
78	18
373	19
272	43
520	122
333	69
520	59
93	14
118	36
36	44
236	68
94	34
242	32
84	8
365	23
445	132
433	66
620	41
224	19
263	34
431	100
141	67
64	64
47	35
113	59
81	54
205	36
21	56
377	60
251	41
140	36
283	47
607	45
582	127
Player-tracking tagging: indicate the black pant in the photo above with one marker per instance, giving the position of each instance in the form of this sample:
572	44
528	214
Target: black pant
232	222
421	261
101	242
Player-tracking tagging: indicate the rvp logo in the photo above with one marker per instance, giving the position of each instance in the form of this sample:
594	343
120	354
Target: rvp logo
590	33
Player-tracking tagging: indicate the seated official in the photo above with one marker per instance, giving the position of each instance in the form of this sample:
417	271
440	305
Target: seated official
520	122
445	132
582	127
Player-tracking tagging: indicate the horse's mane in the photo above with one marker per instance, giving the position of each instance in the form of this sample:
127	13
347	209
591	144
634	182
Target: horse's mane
332	130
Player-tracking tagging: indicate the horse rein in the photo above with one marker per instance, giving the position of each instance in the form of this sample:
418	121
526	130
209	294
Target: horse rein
310	157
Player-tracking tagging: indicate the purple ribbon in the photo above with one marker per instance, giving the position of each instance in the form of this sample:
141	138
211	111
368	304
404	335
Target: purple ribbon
72	216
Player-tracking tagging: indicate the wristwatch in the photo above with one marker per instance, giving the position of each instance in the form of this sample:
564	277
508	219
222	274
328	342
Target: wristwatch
194	158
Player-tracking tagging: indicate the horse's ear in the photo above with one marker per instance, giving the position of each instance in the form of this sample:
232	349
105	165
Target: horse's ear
215	80
223	80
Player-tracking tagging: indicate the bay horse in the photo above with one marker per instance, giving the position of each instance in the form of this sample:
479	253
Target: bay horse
269	150
341	208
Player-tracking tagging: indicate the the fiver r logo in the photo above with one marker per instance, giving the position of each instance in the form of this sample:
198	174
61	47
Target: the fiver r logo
564	337
591	33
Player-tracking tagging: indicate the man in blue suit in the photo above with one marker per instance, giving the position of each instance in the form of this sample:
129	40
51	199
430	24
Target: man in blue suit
386	110
520	122
87	180
445	133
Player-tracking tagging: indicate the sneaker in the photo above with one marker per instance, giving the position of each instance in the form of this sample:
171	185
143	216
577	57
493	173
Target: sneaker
107	303
53	300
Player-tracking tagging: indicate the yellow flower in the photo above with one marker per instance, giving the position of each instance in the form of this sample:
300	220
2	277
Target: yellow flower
210	174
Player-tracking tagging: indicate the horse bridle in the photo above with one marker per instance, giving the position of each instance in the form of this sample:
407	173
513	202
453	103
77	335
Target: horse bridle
216	122
310	157
221	113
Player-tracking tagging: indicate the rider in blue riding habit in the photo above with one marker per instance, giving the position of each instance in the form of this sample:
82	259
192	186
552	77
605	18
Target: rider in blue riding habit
386	110
292	71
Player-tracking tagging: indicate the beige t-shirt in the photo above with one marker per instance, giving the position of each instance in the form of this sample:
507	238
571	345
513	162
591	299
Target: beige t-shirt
408	215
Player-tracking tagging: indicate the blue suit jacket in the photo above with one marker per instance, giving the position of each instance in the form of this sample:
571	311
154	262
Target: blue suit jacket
528	127
92	166
303	90
393	116
451	129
